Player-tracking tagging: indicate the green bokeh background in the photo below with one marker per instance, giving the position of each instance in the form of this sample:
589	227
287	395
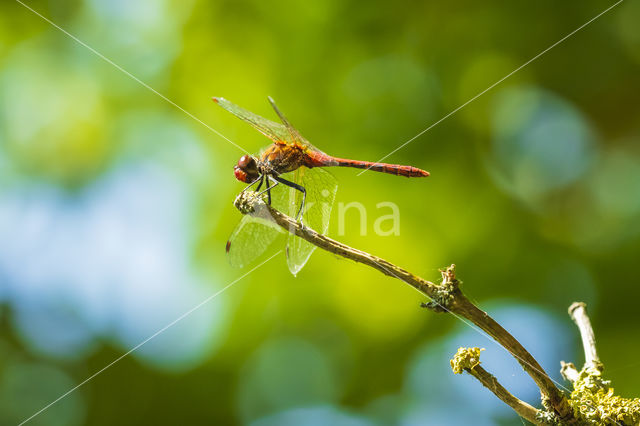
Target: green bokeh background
116	205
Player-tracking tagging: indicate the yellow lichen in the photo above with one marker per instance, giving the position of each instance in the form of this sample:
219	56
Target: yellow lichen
594	402
465	359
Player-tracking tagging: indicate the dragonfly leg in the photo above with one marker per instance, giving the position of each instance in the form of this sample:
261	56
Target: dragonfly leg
261	181
299	188
268	190
254	182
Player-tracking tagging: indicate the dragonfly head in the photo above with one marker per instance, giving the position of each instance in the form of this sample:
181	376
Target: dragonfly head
247	169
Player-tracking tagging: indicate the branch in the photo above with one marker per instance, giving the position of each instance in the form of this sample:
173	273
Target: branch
593	399
468	359
578	312
569	371
445	297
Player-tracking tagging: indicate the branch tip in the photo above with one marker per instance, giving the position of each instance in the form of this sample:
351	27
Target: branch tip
448	274
465	359
576	305
468	360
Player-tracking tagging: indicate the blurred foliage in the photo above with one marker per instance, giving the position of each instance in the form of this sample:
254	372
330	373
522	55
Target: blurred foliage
115	205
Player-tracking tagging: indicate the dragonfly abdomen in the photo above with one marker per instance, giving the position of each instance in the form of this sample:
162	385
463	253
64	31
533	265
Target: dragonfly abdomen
393	169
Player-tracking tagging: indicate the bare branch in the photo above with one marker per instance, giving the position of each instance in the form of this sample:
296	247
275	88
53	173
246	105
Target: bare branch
446	297
468	359
578	312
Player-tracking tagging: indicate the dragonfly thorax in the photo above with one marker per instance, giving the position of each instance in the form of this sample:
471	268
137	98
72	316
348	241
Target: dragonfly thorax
247	169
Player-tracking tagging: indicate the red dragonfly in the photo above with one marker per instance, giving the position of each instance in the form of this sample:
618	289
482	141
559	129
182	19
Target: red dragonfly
311	189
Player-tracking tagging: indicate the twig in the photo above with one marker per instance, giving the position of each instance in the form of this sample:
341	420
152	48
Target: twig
468	360
592	398
578	312
489	381
445	297
569	371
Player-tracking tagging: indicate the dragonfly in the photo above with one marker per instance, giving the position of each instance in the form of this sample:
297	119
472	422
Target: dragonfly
307	191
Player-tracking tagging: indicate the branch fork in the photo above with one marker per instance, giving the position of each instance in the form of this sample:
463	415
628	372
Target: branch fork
592	401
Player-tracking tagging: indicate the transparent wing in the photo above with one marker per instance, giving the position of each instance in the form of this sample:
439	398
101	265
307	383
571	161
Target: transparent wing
275	131
321	189
293	132
280	197
250	239
253	235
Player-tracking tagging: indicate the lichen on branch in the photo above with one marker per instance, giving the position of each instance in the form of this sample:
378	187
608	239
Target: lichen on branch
593	399
465	359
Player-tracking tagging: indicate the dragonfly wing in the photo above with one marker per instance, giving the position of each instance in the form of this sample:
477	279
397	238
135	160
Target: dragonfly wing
321	189
294	134
275	131
250	239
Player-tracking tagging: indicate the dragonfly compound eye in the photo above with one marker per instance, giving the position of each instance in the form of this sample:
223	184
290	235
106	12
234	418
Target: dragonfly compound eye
247	169
247	162
240	174
244	175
